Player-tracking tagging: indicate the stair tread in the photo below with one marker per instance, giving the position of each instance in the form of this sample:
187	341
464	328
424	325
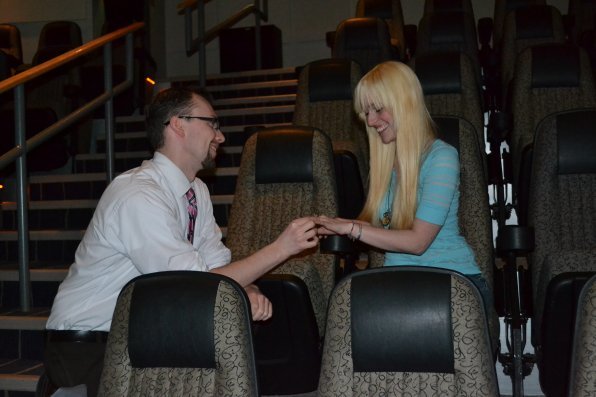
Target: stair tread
239	104
86	204
47	274
253	100
34	320
47	234
225	129
19	374
252	85
18	366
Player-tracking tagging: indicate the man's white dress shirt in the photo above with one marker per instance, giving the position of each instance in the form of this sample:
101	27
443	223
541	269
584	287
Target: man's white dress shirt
139	226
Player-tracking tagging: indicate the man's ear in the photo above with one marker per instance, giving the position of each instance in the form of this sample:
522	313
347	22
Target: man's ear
177	126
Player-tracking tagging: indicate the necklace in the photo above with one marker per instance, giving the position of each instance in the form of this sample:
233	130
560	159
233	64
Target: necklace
386	219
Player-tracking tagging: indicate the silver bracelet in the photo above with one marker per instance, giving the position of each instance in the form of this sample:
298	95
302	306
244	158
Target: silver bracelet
359	232
351	230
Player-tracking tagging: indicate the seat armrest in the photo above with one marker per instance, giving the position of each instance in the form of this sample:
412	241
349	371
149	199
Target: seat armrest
515	240
338	245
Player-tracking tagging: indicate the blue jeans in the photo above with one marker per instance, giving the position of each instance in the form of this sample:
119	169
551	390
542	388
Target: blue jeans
485	292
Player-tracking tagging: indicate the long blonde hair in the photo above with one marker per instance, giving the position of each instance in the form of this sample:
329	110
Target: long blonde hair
394	87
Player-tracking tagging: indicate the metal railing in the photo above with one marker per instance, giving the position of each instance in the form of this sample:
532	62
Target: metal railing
22	146
259	8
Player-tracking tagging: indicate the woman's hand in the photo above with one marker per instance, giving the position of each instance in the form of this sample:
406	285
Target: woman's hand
260	305
329	226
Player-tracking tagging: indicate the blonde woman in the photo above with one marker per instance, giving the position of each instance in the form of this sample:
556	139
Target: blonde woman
413	196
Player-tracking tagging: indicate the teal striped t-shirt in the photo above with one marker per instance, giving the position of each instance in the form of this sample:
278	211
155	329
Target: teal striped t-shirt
438	203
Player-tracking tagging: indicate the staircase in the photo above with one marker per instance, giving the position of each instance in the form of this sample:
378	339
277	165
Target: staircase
61	206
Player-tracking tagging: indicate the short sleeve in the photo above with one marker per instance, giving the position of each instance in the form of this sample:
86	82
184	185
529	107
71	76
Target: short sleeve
438	183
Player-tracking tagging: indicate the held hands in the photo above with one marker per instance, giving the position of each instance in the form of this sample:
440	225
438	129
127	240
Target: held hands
260	306
299	235
330	226
304	233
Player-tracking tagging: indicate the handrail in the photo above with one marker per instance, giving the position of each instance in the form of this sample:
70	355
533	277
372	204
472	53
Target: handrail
54	63
205	36
69	56
18	153
192	4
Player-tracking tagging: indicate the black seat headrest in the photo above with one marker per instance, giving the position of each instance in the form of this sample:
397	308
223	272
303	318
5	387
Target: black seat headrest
60	33
364	33
284	155
171	322
401	322
555	65
443	80
576	141
448	5
533	21
330	80
447	28
378	8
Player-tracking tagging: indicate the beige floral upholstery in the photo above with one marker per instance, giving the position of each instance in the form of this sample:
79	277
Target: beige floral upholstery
335	117
473	369
260	212
234	372
514	43
562	210
530	105
449	32
466	103
582	377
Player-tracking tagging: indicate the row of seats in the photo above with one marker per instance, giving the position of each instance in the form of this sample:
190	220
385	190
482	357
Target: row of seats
542	75
364	307
158	348
61	91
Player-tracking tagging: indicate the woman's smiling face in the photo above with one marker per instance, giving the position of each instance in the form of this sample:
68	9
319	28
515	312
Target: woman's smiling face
380	119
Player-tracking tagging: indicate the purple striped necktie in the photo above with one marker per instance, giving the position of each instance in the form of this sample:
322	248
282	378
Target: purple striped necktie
192	213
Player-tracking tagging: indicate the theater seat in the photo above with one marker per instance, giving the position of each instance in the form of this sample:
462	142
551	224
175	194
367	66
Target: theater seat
10	45
583	362
324	100
548	79
391	12
561	212
366	41
181	333
407	331
287	173
60	88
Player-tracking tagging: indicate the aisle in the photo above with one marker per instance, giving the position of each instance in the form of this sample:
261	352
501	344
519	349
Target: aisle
531	383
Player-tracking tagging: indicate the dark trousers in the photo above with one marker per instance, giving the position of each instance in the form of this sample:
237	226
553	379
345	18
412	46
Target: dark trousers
71	363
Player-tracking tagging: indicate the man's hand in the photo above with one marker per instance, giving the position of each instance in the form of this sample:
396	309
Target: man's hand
299	235
260	306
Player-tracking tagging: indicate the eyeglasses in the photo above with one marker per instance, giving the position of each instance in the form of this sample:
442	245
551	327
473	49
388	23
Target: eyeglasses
213	121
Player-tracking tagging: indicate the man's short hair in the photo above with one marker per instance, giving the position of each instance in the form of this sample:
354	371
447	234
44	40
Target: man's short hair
166	104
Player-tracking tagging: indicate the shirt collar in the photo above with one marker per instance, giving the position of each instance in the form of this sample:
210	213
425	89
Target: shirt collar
173	174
